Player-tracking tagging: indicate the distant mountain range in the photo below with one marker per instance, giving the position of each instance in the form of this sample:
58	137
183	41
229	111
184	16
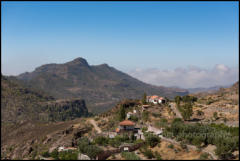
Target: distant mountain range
101	86
210	89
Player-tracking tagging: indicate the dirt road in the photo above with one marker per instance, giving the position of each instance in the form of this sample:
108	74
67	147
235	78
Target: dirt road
93	122
175	110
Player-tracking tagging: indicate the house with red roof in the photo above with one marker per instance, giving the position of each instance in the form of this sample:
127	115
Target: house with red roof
155	99
126	126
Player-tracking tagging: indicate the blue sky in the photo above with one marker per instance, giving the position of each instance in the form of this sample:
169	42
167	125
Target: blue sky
126	35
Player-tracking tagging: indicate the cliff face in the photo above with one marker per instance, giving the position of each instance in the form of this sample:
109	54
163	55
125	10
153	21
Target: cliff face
19	103
101	86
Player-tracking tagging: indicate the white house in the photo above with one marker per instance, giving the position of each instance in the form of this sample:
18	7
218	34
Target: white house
155	99
161	100
139	135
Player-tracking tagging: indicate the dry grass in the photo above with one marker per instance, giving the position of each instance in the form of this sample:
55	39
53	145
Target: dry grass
170	154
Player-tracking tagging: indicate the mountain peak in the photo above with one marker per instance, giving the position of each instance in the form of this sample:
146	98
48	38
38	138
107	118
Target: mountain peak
79	61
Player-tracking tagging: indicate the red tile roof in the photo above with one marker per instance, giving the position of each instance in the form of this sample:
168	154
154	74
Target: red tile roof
153	97
127	123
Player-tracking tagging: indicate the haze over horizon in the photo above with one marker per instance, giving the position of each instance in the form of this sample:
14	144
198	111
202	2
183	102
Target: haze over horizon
187	44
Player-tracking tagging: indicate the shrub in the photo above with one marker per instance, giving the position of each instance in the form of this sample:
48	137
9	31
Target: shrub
183	146
204	156
68	155
148	153
157	156
118	140
177	120
152	140
54	154
122	113
162	123
86	148
199	113
177	99
186	111
225	138
101	140
134	118
144	98
215	115
145	115
46	154
157	115
144	129
171	146
130	156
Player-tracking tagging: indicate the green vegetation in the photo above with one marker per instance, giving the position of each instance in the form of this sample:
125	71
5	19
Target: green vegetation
151	139
87	148
162	123
122	113
157	115
157	156
186	108
215	115
144	129
177	100
54	154
225	138
64	155
204	156
200	113
118	140
147	152
209	101
46	154
68	155
144	98
130	156
22	103
171	146
145	115
101	140
188	98
133	118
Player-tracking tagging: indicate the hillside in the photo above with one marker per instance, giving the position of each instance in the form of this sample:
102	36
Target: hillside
19	103
224	102
101	86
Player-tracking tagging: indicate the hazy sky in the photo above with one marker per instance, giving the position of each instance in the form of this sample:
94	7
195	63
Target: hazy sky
126	35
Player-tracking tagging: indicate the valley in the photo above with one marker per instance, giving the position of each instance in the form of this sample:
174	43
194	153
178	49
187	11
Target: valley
45	116
154	137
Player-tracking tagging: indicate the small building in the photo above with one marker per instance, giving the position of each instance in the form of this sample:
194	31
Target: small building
112	134
126	125
139	135
125	147
161	100
155	99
